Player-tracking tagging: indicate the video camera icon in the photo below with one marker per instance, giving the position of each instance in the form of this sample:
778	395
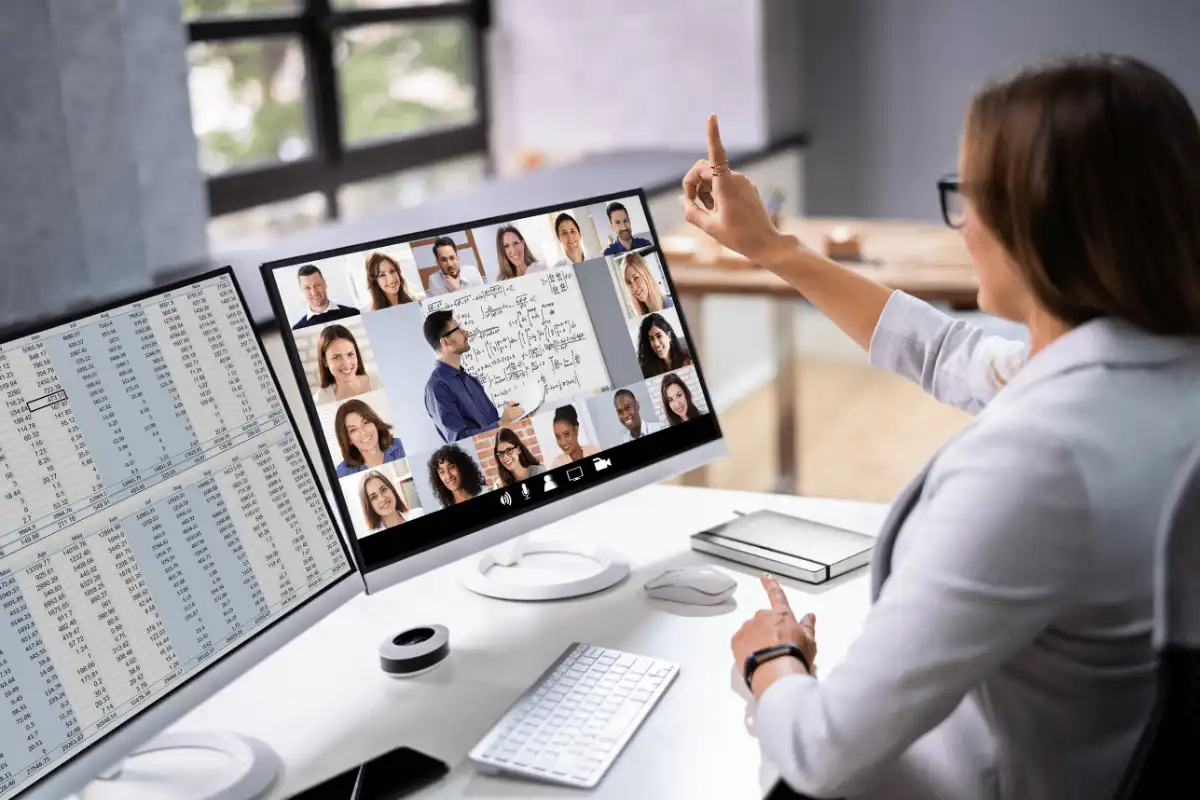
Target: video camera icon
601	463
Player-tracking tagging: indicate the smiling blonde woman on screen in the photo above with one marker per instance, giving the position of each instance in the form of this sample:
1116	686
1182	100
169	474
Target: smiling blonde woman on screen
643	289
1008	651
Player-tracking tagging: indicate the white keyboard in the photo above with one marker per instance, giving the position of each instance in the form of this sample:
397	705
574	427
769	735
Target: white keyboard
570	726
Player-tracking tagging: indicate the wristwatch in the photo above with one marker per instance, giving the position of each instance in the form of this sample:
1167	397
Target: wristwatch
760	657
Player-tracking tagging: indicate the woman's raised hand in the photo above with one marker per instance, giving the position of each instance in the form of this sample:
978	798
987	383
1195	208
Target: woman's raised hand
726	205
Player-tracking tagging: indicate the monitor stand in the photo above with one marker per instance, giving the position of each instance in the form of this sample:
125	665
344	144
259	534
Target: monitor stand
229	766
497	572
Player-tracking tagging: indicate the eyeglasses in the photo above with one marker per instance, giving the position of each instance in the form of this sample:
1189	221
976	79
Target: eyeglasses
950	193
506	452
452	331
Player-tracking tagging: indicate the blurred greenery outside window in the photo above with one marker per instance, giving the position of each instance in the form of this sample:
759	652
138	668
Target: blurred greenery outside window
311	110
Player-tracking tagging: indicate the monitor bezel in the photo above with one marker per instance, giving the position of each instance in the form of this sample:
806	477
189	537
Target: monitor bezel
439	543
82	767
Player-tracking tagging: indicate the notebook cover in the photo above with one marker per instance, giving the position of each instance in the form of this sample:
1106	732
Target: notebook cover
794	536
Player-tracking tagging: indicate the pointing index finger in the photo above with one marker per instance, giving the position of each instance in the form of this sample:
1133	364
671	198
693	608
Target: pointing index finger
775	594
716	150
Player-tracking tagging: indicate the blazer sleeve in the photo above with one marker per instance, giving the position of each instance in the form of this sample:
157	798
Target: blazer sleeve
994	557
954	361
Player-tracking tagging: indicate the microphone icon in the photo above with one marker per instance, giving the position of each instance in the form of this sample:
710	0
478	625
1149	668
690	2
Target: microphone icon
525	491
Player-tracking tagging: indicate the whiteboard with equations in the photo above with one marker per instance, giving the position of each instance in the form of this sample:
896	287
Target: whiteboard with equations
156	511
531	328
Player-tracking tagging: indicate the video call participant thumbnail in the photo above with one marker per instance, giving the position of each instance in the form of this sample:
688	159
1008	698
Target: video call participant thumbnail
629	412
340	366
316	293
513	254
618	220
659	348
643	288
569	236
456	401
364	438
382	505
677	400
454	475
514	461
385	283
566	435
451	277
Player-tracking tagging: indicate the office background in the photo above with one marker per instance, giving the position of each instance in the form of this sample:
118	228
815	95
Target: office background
152	142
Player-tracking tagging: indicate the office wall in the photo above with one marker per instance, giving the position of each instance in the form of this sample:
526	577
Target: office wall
653	72
99	183
887	83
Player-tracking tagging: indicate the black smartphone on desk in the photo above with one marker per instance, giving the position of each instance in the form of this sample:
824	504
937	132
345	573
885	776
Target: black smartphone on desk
390	776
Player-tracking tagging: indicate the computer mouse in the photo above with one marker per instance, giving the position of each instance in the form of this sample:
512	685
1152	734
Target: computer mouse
698	586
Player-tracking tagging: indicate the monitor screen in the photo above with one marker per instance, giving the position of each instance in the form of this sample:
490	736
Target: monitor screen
158	511
458	377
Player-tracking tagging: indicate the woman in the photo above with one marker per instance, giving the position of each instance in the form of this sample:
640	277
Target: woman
382	506
567	231
659	349
566	434
514	462
340	366
387	286
514	257
1008	652
365	440
454	476
643	289
677	400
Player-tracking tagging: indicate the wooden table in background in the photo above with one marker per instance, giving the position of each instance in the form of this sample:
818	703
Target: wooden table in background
927	261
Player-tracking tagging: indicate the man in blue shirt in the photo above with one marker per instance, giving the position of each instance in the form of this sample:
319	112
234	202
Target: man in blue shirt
456	401
618	220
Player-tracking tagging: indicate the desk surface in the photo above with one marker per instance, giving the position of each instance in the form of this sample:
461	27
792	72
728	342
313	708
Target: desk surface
324	705
928	261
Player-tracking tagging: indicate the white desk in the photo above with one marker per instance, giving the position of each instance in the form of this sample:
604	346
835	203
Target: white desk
324	705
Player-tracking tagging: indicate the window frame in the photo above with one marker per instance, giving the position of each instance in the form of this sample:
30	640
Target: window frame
331	164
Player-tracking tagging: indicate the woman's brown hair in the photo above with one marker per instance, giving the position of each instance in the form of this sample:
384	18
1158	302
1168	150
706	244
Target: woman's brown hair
350	453
329	335
508	270
375	264
1088	172
373	520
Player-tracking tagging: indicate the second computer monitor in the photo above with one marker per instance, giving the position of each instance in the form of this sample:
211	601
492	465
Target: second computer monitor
470	383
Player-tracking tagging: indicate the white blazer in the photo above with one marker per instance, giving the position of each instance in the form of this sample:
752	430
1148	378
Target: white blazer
1008	651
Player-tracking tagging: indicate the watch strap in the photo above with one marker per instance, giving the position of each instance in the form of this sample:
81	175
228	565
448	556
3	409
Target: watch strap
760	657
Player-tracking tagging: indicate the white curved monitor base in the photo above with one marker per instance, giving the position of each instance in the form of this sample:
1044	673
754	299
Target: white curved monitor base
486	575
231	767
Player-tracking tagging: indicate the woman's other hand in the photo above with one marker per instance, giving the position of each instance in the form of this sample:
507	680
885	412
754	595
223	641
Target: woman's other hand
726	205
776	625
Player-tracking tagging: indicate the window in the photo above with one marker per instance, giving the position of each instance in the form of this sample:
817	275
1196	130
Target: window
307	110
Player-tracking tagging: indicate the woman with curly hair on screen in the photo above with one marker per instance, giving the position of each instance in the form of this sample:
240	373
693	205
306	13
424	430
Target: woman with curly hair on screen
677	400
659	349
454	475
385	283
383	506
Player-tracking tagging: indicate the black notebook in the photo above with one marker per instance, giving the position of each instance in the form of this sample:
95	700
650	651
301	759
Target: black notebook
782	544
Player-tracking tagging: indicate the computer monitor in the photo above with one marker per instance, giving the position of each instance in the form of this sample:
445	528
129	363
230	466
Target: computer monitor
410	350
162	526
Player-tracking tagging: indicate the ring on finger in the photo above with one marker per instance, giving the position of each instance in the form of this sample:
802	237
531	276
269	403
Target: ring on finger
720	169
